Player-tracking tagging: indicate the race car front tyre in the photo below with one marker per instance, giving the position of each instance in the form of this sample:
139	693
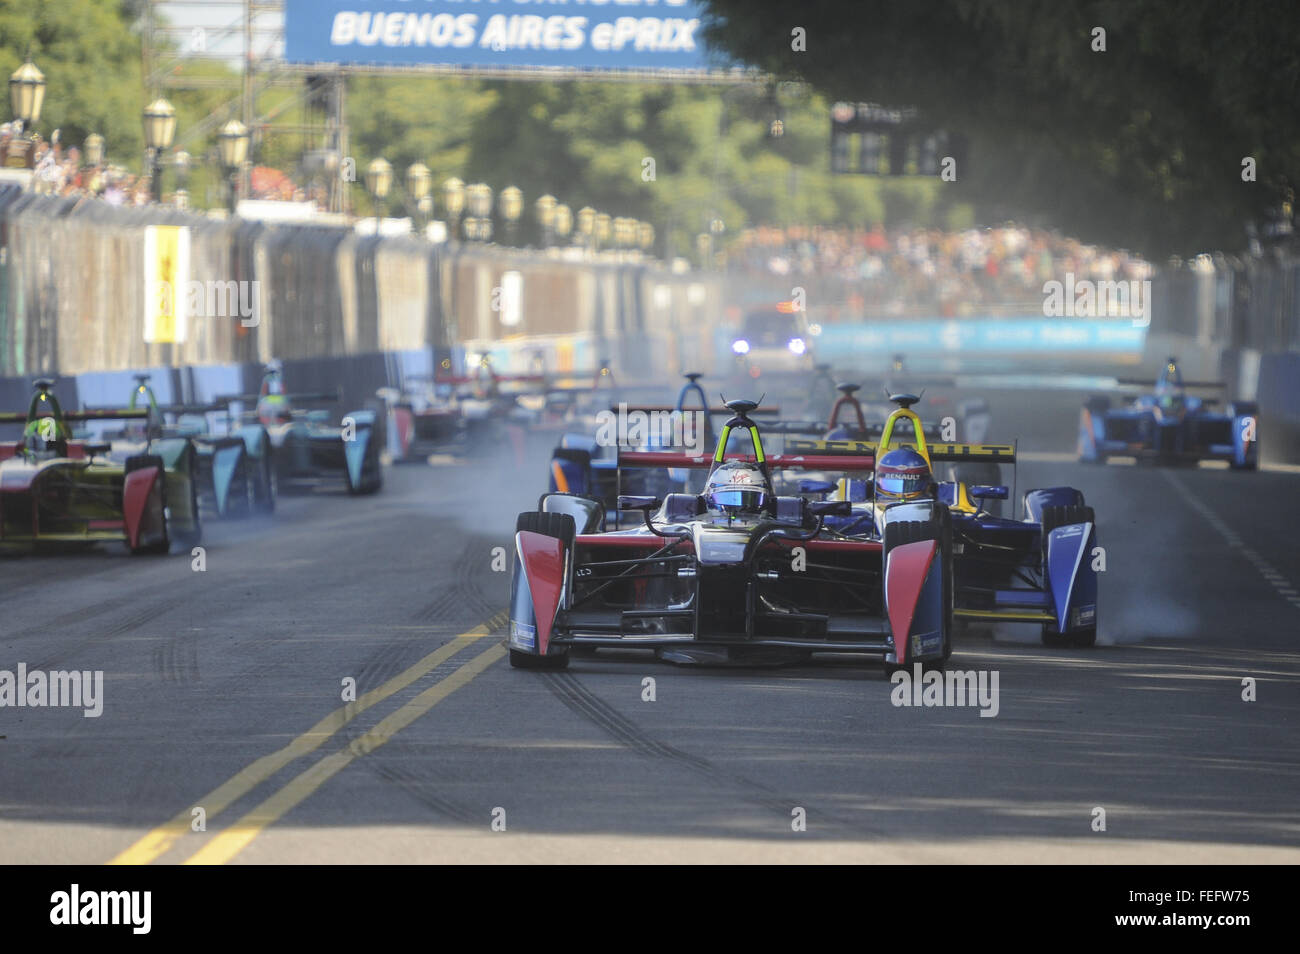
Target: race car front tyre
163	545
264	481
1063	516
1080	639
372	471
562	527
915	531
551	663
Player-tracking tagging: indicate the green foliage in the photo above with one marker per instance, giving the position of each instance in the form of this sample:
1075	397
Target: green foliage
587	142
1138	146
91	62
584	142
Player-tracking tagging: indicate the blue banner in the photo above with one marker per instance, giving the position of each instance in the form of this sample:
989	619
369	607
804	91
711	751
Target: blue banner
498	34
984	335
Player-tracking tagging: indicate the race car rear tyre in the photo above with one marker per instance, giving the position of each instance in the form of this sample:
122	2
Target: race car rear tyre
264	482
191	538
562	527
372	471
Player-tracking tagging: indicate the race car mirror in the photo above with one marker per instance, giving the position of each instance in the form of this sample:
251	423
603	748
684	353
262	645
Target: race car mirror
985	492
637	502
830	508
809	486
588	513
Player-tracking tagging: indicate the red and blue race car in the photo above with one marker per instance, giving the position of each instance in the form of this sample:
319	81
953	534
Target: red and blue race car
736	573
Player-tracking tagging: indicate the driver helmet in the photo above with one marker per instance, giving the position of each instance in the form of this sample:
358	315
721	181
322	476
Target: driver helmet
273	409
737	488
42	436
902	474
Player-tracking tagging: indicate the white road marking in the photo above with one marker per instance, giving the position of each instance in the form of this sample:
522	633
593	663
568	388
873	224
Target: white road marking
1265	569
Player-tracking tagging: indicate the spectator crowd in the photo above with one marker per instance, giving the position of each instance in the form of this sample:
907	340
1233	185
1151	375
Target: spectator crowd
914	271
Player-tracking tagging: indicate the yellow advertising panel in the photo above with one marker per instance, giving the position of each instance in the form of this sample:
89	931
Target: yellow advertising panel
166	278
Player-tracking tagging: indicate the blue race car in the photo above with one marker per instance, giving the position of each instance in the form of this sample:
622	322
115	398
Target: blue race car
1040	568
1170	426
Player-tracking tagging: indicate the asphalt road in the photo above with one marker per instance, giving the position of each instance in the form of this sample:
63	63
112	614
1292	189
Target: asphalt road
223	691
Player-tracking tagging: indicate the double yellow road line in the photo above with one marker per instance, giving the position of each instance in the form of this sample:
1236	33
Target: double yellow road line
229	843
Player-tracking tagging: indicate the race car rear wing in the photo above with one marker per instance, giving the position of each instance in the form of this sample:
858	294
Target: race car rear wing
305	397
1147	383
948	452
90	414
787	461
767	411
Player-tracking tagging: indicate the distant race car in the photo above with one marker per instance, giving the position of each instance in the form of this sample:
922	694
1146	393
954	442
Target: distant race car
774	340
850	418
715	577
233	470
1170	426
587	463
422	419
449	413
1037	569
55	488
307	451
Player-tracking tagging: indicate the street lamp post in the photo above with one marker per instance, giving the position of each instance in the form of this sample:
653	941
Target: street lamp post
379	179
544	208
604	225
94	149
511	205
563	223
478	200
587	225
183	163
159	128
232	142
27	94
419	180
453	200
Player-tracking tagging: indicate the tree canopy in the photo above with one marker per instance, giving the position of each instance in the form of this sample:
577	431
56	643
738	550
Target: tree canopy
1138	141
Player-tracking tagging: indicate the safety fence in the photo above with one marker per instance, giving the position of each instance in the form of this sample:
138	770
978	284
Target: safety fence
80	280
81	283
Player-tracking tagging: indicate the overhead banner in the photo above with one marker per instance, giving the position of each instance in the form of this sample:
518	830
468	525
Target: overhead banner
614	35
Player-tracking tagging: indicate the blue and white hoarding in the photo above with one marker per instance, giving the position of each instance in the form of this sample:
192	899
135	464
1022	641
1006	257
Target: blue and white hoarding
613	35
